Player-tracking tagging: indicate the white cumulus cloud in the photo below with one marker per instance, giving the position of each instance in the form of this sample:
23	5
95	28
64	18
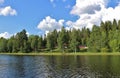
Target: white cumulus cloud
111	13
49	24
87	6
7	11
5	35
92	12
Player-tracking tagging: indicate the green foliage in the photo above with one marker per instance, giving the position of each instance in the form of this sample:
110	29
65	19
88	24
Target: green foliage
50	41
10	45
40	42
104	50
74	43
113	45
62	39
34	43
103	38
3	45
94	42
114	26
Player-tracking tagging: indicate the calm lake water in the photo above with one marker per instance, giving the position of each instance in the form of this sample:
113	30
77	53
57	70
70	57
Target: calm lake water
59	66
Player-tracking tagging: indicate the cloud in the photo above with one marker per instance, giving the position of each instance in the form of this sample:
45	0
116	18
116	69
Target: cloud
49	24
92	12
5	35
87	6
111	13
7	11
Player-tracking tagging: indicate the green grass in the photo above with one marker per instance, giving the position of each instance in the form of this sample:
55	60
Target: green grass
58	53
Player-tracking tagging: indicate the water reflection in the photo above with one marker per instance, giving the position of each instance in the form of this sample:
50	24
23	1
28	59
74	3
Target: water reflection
59	66
11	67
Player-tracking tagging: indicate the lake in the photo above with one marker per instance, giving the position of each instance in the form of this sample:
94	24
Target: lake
59	66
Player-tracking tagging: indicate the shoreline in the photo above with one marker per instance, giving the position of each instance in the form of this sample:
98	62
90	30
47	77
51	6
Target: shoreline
60	54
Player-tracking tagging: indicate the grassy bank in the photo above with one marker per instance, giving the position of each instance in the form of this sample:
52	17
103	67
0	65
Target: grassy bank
86	53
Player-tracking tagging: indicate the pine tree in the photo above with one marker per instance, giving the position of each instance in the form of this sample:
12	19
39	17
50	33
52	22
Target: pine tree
62	39
74	43
50	41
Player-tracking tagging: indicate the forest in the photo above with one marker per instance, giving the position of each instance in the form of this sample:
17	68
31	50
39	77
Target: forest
103	38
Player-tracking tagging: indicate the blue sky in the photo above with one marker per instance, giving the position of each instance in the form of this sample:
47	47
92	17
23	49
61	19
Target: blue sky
31	12
34	15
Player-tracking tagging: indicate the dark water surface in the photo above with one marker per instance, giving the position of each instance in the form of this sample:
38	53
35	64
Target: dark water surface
59	66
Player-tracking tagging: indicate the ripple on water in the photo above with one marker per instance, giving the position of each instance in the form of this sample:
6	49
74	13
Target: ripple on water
42	67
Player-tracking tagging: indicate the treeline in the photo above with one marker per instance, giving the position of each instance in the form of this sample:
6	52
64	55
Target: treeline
103	38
